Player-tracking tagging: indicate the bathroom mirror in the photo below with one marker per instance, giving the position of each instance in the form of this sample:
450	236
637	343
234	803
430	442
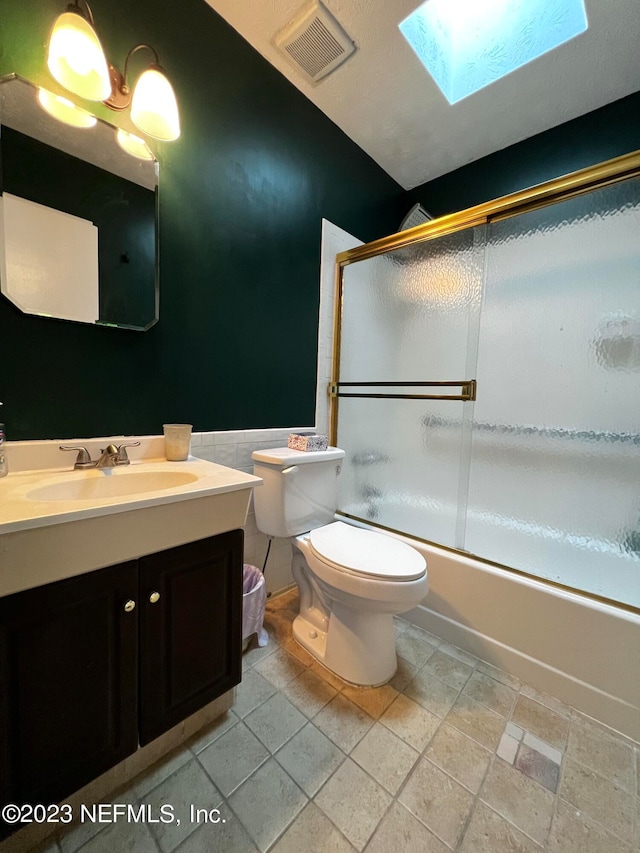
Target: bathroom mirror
78	217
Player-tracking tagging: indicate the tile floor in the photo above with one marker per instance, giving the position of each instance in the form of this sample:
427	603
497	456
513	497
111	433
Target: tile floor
453	754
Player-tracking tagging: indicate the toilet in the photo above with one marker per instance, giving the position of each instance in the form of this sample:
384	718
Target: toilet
351	580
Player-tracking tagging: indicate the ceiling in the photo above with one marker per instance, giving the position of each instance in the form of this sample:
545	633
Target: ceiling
385	101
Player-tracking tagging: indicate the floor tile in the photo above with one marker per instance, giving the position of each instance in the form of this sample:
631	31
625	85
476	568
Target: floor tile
519	799
508	748
252	691
354	802
459	653
47	847
491	693
404	674
541	721
211	732
488	832
422	635
401	831
309	693
294	648
279	668
548	701
124	837
159	771
373	700
267	803
310	758
449	669
255	653
312	832
343	722
499	675
400	624
432	693
411	722
599	798
229	836
414	649
477	721
460	756
330	677
601	751
189	786
540	746
573	832
438	801
537	766
275	721
233	757
385	757
79	833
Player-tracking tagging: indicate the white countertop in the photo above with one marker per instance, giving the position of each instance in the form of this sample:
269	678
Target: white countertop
20	512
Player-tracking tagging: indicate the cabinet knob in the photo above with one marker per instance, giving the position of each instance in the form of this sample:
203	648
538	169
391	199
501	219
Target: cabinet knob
129	606
154	597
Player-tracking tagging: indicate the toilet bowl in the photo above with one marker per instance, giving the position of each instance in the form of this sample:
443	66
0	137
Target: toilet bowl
351	581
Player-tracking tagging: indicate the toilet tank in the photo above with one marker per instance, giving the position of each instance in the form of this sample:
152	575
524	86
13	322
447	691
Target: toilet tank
300	489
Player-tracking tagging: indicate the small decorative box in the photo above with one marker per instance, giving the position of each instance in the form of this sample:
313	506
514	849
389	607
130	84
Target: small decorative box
308	441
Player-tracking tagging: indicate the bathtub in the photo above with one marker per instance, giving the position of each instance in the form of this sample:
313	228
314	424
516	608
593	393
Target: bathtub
584	652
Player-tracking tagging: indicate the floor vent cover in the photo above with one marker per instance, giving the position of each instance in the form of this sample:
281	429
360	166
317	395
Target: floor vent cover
314	42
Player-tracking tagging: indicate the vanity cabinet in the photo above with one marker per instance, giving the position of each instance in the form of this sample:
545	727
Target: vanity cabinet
94	665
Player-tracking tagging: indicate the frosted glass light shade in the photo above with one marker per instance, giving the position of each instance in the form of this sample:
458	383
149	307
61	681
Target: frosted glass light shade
154	109
133	145
466	45
63	110
76	59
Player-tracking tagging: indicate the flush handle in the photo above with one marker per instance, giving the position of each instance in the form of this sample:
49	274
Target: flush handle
290	472
154	598
129	606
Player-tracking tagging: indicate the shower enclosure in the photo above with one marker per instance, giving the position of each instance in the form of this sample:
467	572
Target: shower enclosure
486	382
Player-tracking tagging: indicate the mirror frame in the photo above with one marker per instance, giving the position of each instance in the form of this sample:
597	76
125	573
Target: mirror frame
105	133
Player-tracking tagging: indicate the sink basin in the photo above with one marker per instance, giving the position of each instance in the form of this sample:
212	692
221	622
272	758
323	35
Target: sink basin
110	483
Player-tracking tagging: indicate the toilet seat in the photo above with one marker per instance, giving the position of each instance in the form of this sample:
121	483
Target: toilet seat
358	552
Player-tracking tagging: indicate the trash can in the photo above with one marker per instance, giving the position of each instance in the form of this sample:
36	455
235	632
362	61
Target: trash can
254	598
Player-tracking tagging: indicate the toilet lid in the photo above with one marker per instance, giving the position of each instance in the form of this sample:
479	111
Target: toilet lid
367	553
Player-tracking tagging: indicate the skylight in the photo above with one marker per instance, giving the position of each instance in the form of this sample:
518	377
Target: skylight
467	44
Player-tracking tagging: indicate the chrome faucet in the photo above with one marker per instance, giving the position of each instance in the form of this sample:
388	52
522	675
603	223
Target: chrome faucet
110	457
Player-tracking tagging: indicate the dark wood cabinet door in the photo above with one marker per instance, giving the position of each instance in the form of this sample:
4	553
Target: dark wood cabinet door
68	683
191	637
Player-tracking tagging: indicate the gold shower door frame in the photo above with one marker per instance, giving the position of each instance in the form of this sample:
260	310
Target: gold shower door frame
550	192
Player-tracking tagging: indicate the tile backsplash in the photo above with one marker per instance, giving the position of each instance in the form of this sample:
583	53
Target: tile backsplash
233	448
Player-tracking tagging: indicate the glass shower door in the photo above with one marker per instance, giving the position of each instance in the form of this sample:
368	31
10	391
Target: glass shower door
555	467
409	328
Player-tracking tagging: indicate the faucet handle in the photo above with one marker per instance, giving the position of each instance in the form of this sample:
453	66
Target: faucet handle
122	458
84	457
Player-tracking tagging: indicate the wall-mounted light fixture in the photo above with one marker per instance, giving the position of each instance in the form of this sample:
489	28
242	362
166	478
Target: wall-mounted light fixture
77	61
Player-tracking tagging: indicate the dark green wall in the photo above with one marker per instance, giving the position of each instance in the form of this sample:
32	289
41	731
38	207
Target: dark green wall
605	133
242	194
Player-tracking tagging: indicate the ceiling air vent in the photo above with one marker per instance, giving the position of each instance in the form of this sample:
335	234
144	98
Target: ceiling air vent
314	42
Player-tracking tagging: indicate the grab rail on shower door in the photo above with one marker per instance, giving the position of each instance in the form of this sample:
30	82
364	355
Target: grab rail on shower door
467	387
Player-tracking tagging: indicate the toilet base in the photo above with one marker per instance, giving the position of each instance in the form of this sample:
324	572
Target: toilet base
362	654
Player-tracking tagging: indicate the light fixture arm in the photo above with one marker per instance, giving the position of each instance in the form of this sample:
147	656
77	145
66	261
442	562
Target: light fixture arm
120	97
88	14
